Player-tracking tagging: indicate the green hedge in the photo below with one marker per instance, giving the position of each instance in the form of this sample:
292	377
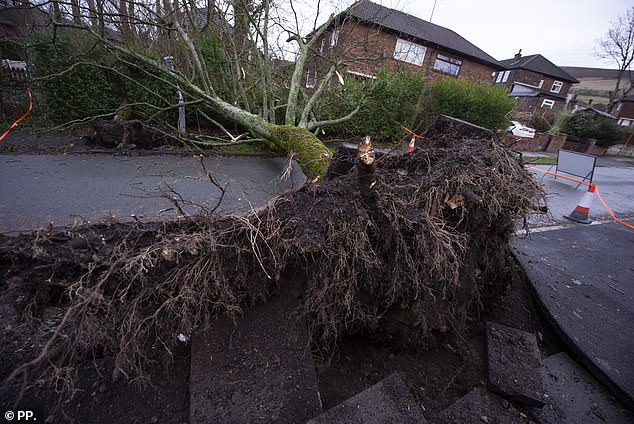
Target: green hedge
481	104
82	91
103	82
584	126
408	99
387	102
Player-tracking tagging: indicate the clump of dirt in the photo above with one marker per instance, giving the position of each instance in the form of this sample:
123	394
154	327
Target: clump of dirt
134	133
416	258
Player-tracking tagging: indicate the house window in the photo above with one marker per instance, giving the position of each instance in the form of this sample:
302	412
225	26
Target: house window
361	75
499	78
506	76
541	83
409	52
311	78
447	65
626	122
334	37
556	88
548	104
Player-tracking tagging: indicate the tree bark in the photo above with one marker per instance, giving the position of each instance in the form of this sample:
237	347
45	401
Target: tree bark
76	12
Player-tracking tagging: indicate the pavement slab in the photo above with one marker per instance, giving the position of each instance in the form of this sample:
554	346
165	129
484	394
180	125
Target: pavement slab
257	371
388	401
582	278
514	364
575	397
480	406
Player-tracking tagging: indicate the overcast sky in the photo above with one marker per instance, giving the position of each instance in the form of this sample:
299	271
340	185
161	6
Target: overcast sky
564	31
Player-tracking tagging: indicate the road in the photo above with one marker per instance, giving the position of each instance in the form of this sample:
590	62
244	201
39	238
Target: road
615	183
63	190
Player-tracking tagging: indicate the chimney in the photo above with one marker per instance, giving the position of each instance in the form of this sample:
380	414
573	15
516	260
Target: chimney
518	55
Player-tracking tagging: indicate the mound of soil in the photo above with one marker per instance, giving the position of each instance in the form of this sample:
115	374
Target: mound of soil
134	133
409	258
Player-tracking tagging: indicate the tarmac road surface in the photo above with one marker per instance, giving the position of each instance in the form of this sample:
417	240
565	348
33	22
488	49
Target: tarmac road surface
614	182
63	190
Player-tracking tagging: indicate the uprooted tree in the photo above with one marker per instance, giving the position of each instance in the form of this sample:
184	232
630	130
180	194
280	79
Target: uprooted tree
405	247
253	99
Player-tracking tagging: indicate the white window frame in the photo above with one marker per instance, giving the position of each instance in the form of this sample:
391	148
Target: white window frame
361	74
311	82
409	52
334	37
499	78
547	104
506	76
625	122
556	88
541	83
451	65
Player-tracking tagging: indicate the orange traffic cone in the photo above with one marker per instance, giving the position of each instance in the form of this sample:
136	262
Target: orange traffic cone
580	214
411	146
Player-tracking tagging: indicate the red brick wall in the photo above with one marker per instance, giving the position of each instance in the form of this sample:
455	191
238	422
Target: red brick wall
556	143
536	144
366	49
595	150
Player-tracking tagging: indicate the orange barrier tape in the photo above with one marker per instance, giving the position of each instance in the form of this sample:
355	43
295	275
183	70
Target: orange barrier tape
596	187
21	118
412	132
558	175
605	205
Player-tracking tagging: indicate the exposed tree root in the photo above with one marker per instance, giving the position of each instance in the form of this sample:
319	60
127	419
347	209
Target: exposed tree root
418	255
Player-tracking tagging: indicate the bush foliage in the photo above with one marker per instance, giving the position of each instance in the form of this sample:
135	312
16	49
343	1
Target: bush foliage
478	103
584	126
409	99
70	87
79	79
386	102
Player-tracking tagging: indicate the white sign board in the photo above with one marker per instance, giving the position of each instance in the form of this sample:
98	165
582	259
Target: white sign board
576	164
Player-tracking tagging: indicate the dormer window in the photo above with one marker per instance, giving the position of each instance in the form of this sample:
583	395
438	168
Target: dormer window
556	88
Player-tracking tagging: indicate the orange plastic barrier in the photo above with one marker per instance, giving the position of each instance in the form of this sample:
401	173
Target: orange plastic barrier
21	118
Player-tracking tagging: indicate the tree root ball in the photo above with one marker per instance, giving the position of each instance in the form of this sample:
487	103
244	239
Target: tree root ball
134	133
421	256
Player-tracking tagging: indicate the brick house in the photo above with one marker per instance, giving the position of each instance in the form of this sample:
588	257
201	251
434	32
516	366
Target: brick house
624	111
536	82
368	37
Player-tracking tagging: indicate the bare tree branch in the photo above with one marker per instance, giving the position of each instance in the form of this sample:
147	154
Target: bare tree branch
618	46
